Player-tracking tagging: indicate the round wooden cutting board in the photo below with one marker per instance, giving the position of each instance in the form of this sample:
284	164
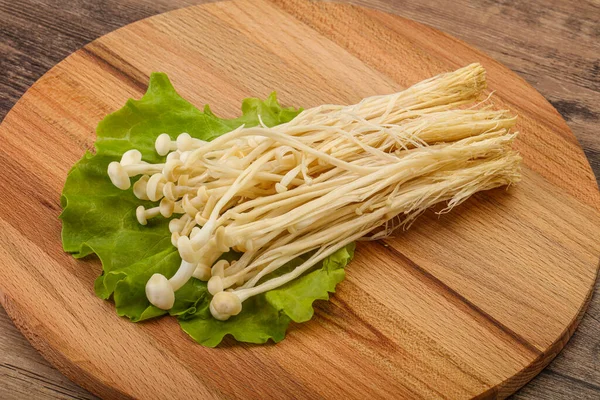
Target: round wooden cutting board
471	303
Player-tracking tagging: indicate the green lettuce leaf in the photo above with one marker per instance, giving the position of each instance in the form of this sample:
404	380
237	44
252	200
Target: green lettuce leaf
267	316
100	219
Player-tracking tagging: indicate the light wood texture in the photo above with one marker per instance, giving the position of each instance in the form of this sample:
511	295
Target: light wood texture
477	302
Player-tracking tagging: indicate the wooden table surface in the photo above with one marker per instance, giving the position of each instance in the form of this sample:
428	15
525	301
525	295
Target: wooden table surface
554	45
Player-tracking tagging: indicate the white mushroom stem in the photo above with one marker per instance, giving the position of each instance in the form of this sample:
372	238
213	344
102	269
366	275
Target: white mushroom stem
172	170
120	174
184	142
183	274
160	291
173	192
196	181
154	186
282	138
188	227
185	155
224	304
202	238
143	215
191	205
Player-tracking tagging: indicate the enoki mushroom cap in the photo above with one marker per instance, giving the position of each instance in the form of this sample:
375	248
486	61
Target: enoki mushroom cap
131	157
171	169
176	225
202	193
163	144
140	214
139	188
166	207
174	238
224	305
154	186
174	155
186	250
159	292
169	191
215	285
118	176
187	206
183	180
184	142
219	268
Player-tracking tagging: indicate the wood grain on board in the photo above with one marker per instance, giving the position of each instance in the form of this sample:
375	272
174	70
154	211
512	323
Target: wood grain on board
452	322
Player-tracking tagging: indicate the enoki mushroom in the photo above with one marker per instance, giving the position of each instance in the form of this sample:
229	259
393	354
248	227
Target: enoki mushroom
331	176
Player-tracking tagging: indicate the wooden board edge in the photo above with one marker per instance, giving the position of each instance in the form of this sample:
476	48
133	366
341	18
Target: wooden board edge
520	379
72	371
93	384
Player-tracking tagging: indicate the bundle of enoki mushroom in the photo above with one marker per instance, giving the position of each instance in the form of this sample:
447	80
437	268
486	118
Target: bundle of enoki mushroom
311	186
